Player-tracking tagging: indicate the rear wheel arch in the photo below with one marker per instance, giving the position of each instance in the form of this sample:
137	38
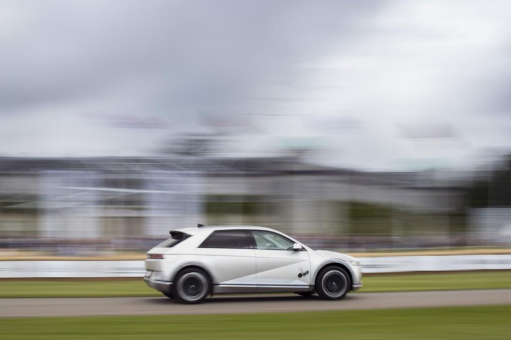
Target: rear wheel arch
194	266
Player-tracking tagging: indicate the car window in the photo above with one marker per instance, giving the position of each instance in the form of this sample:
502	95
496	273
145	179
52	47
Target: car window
176	238
232	239
266	240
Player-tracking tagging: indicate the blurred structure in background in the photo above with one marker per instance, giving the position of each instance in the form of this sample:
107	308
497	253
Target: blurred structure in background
353	127
128	204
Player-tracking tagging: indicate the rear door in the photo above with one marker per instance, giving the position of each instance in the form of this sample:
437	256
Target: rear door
279	267
230	256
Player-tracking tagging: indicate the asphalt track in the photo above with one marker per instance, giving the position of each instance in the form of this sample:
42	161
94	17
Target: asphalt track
246	304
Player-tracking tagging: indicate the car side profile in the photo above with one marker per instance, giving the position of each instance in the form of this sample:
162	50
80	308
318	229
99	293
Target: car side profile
201	261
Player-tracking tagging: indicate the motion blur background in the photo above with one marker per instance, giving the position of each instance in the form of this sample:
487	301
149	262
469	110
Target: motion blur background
357	126
380	129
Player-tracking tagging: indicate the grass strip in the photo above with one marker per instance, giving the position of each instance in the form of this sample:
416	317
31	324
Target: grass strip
489	322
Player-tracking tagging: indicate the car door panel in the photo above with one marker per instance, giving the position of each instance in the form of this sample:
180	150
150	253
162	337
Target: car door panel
282	268
277	264
230	267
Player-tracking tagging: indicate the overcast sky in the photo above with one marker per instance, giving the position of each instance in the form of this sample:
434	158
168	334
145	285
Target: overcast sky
374	85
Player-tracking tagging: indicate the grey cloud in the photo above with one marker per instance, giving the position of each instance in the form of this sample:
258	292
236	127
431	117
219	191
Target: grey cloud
167	53
357	66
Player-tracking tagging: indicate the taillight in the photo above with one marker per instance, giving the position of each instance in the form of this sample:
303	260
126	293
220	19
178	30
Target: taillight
154	257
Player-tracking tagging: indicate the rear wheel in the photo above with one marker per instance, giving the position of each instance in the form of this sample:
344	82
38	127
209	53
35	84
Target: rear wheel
333	283
192	285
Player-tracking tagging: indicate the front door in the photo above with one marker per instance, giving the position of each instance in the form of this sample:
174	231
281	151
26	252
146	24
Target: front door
279	267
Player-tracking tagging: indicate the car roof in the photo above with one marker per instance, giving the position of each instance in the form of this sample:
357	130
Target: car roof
197	230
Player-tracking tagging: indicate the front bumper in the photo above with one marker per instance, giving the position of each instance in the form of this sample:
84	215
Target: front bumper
356	287
357	277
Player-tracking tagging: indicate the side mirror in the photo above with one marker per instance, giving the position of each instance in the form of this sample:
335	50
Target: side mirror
297	247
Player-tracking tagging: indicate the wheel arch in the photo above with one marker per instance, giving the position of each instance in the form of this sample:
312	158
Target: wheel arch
193	265
335	263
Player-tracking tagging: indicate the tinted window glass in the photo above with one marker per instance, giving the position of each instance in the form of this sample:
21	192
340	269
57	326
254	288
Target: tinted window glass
266	240
176	237
233	239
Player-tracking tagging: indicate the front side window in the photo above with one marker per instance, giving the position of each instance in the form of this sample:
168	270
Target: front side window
231	239
267	240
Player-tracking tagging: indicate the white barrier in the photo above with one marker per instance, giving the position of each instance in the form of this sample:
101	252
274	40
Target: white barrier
394	264
48	269
398	264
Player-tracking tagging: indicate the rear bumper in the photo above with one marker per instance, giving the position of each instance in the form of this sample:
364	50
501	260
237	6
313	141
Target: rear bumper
162	286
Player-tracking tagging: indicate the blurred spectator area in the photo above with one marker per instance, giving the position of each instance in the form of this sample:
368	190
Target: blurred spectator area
130	203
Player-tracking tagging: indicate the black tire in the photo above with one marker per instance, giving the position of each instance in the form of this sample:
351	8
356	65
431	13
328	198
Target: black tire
304	293
170	295
192	285
333	283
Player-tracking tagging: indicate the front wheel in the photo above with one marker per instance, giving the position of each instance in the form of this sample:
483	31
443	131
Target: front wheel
192	285
333	283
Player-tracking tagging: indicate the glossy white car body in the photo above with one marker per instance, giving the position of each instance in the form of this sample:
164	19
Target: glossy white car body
270	262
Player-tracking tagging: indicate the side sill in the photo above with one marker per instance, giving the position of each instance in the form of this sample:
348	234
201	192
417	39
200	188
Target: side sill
229	289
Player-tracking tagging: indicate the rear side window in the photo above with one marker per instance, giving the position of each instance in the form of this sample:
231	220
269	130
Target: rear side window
231	239
176	238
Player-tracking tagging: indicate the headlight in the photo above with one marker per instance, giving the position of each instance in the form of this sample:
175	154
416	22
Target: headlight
355	263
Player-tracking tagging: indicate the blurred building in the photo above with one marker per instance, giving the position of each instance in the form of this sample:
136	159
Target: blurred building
77	199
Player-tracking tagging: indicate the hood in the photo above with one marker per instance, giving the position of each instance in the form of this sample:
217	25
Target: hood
334	255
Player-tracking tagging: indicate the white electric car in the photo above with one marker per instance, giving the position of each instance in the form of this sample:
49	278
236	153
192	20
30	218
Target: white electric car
197	262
